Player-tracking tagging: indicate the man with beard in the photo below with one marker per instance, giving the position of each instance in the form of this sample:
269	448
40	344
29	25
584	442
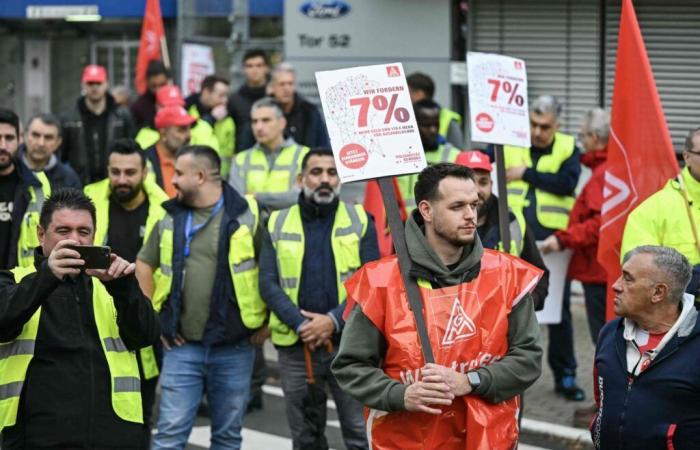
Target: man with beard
199	268
92	125
127	201
479	321
522	243
22	194
428	121
42	139
309	251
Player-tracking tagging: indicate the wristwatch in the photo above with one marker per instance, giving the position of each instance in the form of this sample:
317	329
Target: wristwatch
474	379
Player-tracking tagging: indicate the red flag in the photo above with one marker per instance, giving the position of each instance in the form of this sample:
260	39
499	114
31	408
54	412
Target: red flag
375	206
640	153
152	32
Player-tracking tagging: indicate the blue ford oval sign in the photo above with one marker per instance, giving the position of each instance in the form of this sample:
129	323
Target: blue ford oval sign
325	10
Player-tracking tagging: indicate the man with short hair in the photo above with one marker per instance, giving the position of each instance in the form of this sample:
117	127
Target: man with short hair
679	225
304	122
128	205
336	238
422	87
92	125
646	372
199	268
256	68
22	194
209	104
143	110
174	128
479	321
42	139
69	375
269	169
427	114
542	181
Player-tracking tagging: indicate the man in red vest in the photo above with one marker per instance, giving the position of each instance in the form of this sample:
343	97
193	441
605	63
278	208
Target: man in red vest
480	322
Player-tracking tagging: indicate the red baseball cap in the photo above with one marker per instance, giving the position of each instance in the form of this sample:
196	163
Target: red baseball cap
475	160
169	95
94	74
173	116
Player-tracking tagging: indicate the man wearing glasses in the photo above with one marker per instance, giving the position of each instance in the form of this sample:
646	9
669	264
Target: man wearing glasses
677	227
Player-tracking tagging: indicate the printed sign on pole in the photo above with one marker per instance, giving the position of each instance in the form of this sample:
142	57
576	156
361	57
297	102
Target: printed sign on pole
370	121
498	99
197	63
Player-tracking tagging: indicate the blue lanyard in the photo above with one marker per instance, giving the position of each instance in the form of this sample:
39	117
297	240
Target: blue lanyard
190	230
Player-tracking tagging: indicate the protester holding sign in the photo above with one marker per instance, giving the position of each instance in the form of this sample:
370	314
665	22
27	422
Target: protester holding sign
466	290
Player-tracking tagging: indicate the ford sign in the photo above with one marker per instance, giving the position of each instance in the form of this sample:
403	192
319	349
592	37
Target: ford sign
325	10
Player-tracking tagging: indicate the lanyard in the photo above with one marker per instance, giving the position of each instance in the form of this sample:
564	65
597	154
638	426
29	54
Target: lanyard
190	230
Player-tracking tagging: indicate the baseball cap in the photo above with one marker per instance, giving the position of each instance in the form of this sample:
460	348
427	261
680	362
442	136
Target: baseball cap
169	95
173	115
94	74
475	160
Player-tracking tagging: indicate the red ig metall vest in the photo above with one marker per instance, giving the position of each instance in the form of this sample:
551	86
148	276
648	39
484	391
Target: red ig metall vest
468	329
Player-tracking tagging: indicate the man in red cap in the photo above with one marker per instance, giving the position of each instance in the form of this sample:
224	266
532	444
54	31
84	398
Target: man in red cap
174	128
91	126
522	243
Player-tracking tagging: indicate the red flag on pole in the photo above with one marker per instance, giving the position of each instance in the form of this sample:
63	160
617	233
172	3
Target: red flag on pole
641	158
375	206
152	34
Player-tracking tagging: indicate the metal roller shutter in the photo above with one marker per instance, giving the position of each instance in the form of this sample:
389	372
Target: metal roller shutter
671	31
559	41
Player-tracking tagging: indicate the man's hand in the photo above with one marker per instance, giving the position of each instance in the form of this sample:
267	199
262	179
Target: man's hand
179	341
120	267
419	396
259	337
65	261
515	173
457	382
316	330
549	245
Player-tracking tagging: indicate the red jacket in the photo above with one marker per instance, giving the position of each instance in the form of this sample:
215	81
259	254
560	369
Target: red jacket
584	224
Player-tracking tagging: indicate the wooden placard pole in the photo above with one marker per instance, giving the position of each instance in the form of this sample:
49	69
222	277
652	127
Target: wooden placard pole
503	215
398	237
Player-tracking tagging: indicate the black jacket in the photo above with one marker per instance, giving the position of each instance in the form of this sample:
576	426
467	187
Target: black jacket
305	124
60	174
66	400
88	155
21	201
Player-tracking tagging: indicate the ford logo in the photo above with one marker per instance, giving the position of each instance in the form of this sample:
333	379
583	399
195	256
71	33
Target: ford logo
325	10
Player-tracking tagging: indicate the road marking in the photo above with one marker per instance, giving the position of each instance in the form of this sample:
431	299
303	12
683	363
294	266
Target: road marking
277	392
252	440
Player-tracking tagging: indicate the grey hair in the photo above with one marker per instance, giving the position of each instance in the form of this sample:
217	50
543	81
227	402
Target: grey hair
670	261
268	102
283	67
48	119
547	104
597	121
689	139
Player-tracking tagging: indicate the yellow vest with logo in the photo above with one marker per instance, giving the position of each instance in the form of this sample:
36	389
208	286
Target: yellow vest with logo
16	355
444	153
252	167
241	263
99	194
552	210
287	234
28	238
447	116
225	133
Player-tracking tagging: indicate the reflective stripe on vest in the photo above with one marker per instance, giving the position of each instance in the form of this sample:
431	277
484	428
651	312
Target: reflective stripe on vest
16	355
287	235
28	238
252	166
552	210
447	116
445	153
242	266
99	193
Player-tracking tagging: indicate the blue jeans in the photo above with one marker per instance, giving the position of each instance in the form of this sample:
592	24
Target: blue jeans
224	373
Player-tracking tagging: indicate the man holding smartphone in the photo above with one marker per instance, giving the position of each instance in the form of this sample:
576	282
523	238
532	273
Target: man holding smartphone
68	332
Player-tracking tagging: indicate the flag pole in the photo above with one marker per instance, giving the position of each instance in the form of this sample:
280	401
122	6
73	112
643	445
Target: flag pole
503	214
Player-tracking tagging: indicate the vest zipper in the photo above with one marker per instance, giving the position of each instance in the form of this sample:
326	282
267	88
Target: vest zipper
630	382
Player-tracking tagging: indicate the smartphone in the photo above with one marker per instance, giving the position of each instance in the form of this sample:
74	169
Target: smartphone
95	256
